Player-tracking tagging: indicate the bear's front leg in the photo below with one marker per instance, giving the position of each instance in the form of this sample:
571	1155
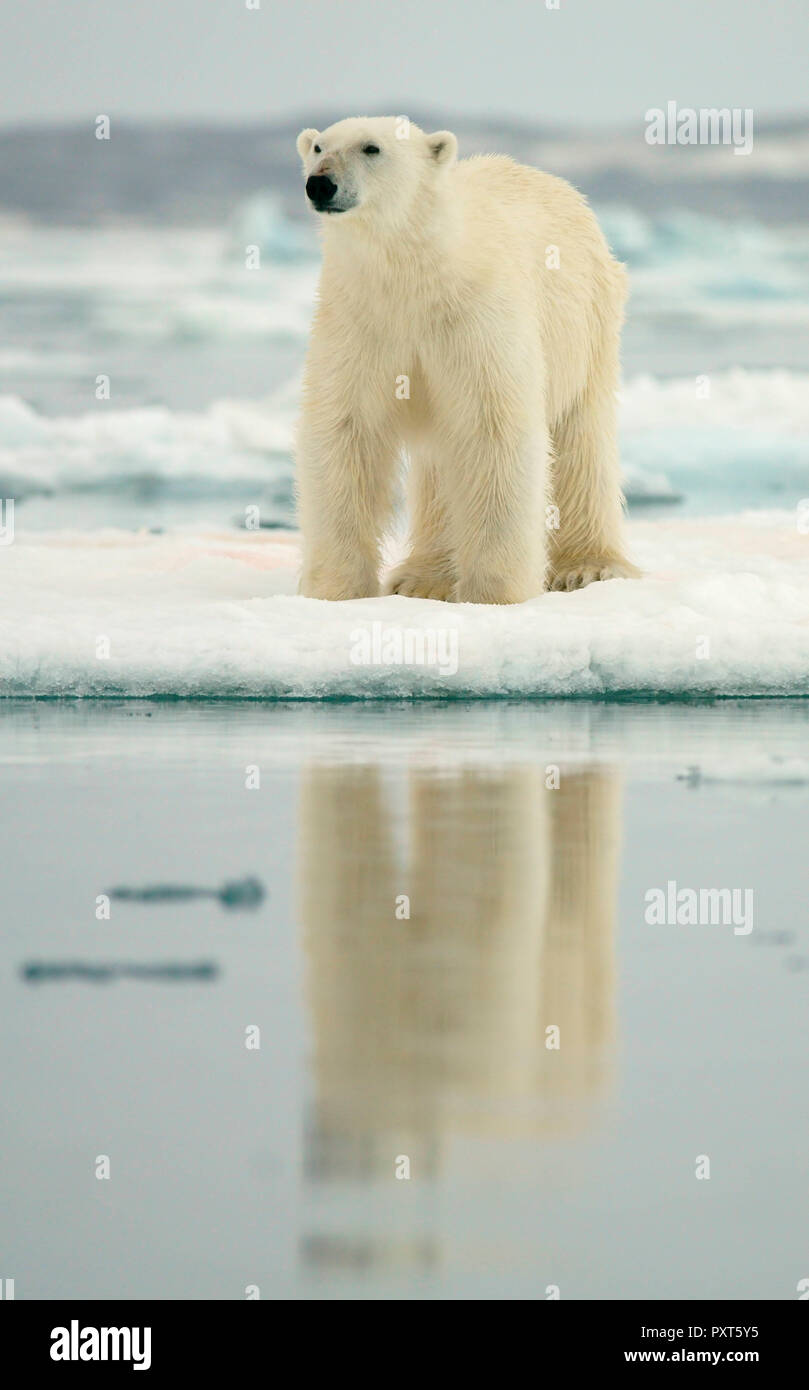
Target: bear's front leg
345	477
491	429
498	521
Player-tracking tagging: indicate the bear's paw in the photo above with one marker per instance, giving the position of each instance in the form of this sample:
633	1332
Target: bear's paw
412	581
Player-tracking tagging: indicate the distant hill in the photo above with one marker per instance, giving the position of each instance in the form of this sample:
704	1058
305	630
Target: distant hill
196	174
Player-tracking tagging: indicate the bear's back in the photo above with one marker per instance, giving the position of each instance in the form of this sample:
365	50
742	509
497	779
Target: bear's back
505	198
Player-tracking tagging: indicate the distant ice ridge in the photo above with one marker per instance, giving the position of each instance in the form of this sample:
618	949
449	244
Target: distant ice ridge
739	437
260	221
713	273
775	403
723	611
681	239
254	278
231	442
750	432
154	285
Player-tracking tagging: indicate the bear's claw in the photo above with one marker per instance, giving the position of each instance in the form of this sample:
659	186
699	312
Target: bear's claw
579	576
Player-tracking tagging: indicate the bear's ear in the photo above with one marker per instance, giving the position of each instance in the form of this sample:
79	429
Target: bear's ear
443	146
305	141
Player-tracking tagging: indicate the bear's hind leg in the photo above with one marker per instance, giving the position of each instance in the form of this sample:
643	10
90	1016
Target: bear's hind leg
429	570
587	543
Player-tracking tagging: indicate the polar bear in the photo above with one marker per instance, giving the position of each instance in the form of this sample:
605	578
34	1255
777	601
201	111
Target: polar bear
468	316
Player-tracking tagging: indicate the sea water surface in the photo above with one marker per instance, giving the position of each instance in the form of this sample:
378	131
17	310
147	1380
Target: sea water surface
306	1053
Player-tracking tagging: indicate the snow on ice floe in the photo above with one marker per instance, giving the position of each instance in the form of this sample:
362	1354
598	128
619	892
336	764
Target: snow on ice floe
723	610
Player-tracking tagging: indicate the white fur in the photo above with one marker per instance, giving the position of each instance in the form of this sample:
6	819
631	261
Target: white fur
439	272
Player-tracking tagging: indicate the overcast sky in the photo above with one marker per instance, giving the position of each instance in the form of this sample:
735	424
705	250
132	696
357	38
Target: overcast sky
589	61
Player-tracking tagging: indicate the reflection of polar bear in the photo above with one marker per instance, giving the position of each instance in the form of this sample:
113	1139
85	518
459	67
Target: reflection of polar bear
469	313
436	1022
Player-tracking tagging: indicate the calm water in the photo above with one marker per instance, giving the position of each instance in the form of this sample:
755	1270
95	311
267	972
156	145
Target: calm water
386	1037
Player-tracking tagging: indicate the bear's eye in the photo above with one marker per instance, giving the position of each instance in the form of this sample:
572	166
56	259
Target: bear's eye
370	149
316	149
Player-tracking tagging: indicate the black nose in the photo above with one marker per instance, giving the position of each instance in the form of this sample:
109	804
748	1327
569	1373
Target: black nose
320	189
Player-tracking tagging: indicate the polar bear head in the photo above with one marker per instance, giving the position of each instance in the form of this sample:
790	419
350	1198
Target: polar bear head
380	164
